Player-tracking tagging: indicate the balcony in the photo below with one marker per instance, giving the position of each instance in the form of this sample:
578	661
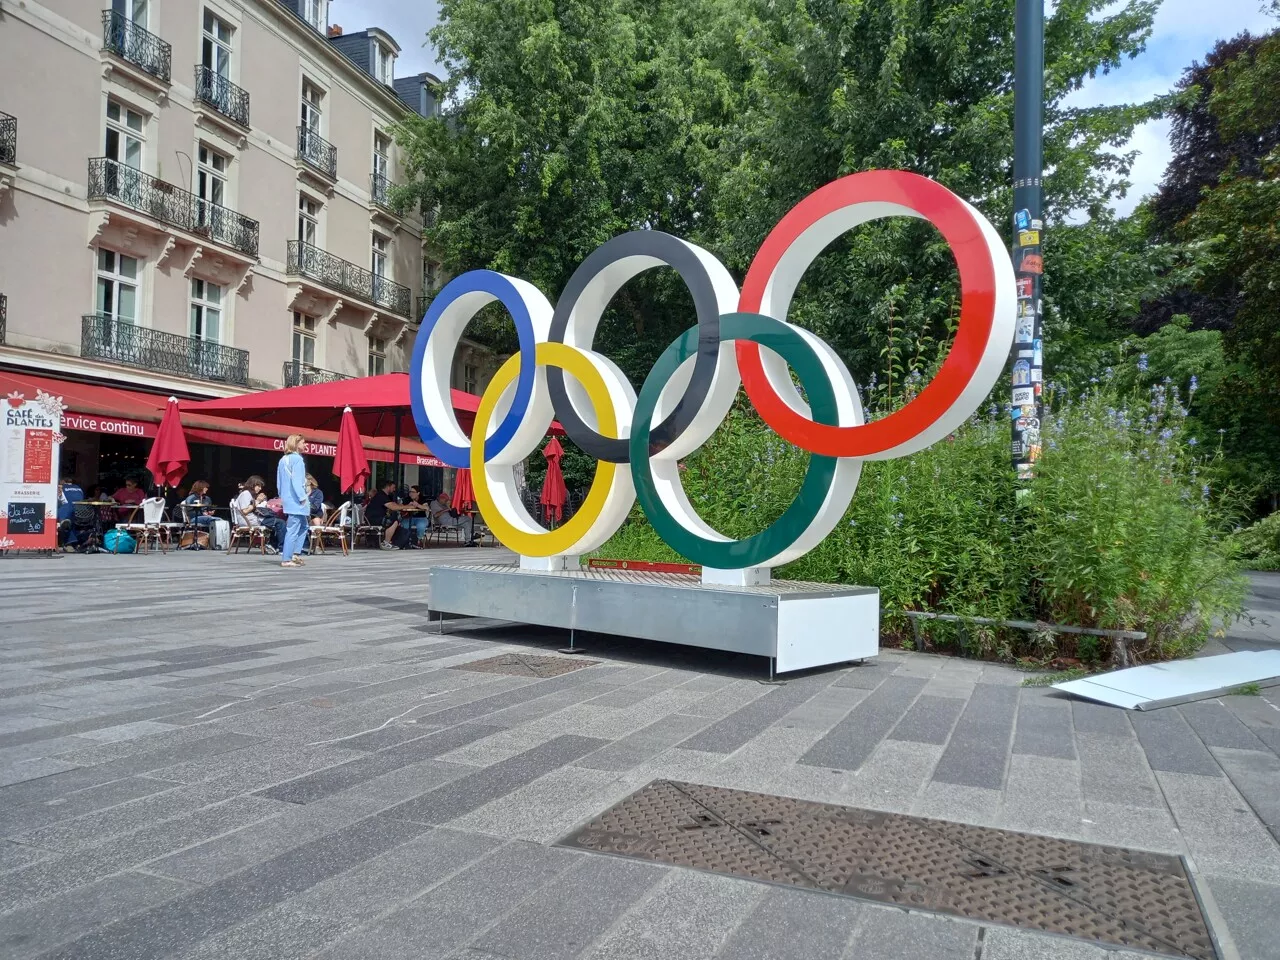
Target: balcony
8	139
228	100
123	38
424	304
119	341
341	276
318	153
162	201
299	374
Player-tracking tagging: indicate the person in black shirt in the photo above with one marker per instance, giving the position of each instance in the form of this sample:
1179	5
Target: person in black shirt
384	510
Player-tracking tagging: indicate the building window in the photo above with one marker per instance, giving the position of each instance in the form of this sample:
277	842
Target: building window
206	311
211	184
377	357
384	63
314	13
117	286
304	339
430	276
308	219
381	156
124	136
379	264
311	102
470	378
216	47
135	11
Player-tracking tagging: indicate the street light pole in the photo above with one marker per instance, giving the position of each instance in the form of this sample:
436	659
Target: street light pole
1028	231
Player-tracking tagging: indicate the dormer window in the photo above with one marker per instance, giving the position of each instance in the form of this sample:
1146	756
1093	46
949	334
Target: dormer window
314	12
384	63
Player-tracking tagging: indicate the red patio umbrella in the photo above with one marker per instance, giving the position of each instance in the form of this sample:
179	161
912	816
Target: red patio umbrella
350	465
464	494
169	455
554	492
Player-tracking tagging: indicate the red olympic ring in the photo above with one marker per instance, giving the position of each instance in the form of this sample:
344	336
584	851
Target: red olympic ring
959	227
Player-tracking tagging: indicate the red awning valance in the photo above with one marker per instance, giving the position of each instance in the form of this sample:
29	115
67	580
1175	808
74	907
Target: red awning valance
134	413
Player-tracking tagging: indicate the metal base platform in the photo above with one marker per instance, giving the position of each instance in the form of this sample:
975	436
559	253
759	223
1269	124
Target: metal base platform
797	625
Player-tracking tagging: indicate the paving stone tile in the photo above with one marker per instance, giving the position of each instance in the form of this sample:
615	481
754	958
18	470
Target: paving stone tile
1261	714
548	808
799	924
1099	720
1219	727
290	667
979	746
868	675
1141	828
471	792
1114	770
128	731
1042	795
567	914
1009	943
174	925
332	779
33	769
1044	731
929	720
688	915
277	933
1251	915
1221	831
1256	775
95	861
16	855
958	802
893	776
16	818
726	700
889	934
160	711
824	709
1171	745
854	738
644	744
740	726
31	930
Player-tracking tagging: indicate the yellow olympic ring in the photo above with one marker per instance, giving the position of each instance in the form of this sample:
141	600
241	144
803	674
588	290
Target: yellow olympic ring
563	539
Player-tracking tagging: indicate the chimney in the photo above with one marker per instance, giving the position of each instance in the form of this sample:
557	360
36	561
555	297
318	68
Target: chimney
335	31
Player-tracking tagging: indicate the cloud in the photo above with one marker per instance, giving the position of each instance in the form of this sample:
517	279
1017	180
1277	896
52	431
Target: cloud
1183	32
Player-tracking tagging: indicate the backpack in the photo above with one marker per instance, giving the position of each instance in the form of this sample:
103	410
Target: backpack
276	506
119	541
401	537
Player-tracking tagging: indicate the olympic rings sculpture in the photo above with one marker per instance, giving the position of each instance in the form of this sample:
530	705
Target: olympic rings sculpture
741	338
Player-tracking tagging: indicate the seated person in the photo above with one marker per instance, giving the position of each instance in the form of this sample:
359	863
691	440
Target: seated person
418	510
69	493
383	510
445	516
315	497
251	512
129	496
197	508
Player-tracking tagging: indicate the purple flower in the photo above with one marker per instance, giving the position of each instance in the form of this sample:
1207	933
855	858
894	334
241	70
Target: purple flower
1192	442
1204	491
1166	435
893	499
1142	362
897	519
1195	383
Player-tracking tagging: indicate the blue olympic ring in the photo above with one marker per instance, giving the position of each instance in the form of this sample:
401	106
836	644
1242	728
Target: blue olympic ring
494	286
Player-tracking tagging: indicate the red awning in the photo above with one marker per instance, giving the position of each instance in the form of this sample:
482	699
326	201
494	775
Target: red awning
375	402
133	413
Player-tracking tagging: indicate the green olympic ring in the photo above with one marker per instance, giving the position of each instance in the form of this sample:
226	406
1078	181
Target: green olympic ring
754	550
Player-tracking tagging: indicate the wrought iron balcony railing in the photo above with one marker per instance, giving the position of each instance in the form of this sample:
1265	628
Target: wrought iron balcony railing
299	374
4	315
128	41
318	152
8	139
161	200
110	338
380	191
223	95
307	260
424	304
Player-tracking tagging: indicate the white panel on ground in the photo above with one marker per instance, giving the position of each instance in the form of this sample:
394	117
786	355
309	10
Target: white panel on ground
1180	681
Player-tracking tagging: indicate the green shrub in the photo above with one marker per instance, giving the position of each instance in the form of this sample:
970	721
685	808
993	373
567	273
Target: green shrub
1118	530
1258	546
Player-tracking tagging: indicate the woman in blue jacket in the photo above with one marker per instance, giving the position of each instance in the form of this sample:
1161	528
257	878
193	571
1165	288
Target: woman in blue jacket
291	482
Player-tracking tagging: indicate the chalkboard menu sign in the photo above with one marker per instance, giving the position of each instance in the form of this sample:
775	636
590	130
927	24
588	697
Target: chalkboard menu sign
25	517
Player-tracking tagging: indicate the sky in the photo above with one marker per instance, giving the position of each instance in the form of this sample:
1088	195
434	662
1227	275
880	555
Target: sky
1181	35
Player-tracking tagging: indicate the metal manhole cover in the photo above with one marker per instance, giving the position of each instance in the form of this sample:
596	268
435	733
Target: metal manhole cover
1127	898
526	665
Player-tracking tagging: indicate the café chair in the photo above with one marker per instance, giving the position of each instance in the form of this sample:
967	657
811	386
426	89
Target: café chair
335	524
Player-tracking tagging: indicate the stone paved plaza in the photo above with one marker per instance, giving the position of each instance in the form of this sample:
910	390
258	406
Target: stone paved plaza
206	757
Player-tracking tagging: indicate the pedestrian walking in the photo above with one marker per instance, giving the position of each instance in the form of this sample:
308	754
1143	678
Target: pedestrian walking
291	485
